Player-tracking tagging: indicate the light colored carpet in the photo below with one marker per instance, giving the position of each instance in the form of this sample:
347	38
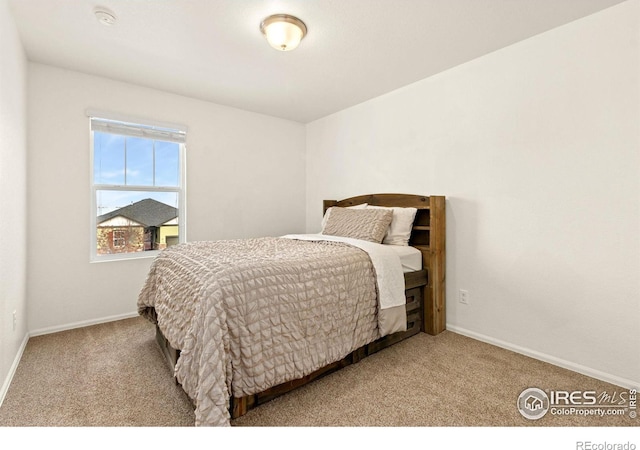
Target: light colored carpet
114	374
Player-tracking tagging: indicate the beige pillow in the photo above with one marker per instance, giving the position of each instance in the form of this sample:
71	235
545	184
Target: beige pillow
328	211
399	231
365	224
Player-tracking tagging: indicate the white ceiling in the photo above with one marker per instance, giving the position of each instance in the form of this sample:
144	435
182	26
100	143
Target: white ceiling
213	50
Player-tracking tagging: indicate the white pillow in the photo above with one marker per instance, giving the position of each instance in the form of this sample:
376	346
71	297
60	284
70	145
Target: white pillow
399	231
326	214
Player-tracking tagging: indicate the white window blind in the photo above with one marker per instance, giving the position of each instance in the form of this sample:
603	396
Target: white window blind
137	130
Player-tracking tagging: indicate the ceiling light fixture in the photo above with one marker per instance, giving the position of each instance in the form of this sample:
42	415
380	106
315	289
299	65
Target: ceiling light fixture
105	17
283	32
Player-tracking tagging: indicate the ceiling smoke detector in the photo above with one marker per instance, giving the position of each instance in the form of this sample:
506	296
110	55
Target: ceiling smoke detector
105	17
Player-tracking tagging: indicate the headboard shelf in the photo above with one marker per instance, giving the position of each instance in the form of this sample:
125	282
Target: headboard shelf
428	235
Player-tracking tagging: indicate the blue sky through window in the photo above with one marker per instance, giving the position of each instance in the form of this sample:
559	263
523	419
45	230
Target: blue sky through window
132	161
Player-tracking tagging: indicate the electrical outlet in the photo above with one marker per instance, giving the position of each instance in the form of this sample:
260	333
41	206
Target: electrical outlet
463	296
15	320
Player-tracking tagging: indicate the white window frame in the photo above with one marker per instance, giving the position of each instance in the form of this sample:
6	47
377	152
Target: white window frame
140	128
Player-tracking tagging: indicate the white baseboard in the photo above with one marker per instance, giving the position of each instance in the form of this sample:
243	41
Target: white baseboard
588	371
84	323
12	370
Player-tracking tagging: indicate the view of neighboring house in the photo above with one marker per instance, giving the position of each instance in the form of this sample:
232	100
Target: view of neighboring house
142	226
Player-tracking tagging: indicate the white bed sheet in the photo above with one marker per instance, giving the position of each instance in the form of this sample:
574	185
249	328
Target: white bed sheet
410	257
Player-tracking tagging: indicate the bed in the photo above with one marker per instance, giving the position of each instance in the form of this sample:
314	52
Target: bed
244	321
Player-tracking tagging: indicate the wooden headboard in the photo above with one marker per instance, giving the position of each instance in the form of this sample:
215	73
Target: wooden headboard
429	236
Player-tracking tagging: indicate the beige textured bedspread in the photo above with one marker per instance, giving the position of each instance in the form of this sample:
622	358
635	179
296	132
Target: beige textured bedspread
251	314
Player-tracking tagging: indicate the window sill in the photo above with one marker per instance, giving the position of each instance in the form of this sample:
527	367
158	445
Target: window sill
123	256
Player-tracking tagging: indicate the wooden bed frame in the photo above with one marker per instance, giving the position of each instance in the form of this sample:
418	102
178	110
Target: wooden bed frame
424	290
429	236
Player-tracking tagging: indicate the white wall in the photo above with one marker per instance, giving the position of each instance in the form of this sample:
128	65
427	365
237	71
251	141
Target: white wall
13	192
245	178
537	147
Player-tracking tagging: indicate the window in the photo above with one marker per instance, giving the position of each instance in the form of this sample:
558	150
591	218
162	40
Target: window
137	187
119	239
